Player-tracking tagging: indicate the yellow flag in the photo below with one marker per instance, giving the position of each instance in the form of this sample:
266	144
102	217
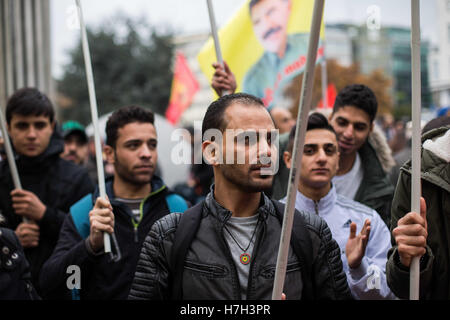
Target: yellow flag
265	44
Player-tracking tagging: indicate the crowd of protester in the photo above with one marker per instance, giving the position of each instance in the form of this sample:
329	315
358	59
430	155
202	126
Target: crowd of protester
216	235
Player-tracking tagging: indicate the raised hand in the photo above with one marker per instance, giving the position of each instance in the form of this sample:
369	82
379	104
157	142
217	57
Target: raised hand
356	244
223	79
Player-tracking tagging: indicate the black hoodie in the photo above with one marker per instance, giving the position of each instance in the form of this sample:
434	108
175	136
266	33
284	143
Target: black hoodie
57	183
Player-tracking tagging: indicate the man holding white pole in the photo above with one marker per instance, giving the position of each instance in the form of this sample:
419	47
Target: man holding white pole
225	247
424	234
94	115
50	184
420	226
136	199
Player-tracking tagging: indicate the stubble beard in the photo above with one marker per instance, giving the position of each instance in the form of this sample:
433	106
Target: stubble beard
128	176
244	182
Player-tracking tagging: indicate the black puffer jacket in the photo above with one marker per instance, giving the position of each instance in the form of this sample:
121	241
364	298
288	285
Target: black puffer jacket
210	273
57	183
15	277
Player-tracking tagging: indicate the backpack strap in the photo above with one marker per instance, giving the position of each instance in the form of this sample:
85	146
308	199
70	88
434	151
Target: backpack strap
80	211
302	246
176	203
186	230
80	215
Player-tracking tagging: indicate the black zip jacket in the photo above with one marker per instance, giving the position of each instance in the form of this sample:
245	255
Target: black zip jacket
102	279
57	183
210	272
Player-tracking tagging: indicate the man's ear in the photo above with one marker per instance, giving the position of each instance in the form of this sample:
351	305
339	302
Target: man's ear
287	159
371	128
209	152
110	154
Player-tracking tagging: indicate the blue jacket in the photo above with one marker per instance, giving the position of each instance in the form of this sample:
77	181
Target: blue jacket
100	277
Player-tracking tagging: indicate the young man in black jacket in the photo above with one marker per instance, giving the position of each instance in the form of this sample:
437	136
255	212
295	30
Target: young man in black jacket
233	252
50	184
136	199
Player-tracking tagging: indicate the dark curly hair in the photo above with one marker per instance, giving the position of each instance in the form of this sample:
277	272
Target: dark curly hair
124	116
358	96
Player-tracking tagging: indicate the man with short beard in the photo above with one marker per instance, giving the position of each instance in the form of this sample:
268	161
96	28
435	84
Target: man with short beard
136	199
232	250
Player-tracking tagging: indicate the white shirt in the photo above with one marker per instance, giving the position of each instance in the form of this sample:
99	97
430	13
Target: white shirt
348	184
368	281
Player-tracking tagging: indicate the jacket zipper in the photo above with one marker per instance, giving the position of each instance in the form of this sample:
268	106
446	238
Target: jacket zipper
136	237
141	214
316	206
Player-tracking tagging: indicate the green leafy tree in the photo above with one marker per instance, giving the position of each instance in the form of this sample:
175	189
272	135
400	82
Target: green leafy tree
132	64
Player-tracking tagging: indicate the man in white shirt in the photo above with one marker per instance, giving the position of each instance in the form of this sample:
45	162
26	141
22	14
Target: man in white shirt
364	255
360	176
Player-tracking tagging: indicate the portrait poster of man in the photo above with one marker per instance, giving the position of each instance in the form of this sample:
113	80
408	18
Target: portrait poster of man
265	44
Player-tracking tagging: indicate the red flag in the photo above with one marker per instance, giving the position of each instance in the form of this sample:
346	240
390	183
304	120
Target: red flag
184	87
331	96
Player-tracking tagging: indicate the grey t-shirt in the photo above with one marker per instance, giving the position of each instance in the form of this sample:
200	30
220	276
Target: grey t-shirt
242	229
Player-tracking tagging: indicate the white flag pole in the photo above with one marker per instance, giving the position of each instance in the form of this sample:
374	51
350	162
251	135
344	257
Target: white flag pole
10	156
94	113
324	79
212	20
294	176
416	136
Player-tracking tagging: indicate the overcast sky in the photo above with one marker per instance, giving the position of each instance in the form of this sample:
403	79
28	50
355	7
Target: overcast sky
191	16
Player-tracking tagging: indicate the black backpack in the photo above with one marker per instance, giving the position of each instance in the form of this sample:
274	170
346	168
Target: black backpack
188	227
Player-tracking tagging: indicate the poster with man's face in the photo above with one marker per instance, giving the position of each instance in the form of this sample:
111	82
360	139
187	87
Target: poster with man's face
265	44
